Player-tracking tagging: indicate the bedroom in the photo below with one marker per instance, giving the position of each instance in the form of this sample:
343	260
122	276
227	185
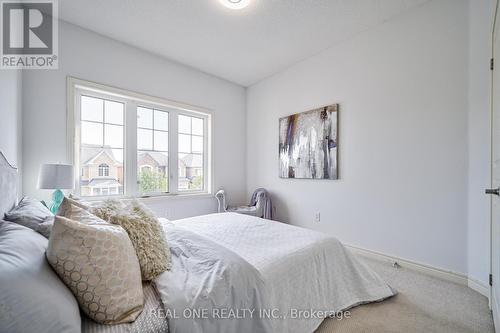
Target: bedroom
134	87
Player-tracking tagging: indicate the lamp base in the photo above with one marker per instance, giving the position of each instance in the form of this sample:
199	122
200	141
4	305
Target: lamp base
57	199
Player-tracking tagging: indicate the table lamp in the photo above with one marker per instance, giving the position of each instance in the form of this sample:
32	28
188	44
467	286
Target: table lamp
56	177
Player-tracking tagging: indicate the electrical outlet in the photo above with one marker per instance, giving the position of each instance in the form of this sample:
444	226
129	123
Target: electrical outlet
317	217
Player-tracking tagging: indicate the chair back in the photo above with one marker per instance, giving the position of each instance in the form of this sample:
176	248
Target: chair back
221	200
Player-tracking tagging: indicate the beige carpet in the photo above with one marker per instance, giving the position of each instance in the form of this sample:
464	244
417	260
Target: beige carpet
424	304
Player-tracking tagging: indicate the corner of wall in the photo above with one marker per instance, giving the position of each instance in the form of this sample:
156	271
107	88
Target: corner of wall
246	187
20	132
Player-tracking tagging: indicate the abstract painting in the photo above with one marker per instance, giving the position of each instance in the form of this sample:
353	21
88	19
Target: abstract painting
308	144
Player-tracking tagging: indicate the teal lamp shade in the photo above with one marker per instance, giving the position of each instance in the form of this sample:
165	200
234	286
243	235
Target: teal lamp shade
56	177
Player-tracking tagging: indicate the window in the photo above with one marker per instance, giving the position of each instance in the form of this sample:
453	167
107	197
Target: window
103	170
101	145
190	153
124	143
152	149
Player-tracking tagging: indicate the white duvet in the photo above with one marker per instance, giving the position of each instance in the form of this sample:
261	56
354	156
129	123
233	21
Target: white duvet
259	276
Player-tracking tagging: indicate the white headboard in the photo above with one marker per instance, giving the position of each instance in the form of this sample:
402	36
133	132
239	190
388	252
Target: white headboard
8	186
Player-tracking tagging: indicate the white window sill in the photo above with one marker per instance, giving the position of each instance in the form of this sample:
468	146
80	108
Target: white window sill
153	198
181	196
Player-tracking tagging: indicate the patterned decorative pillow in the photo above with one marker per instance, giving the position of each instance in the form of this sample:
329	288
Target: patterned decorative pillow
97	261
70	208
144	231
68	202
76	211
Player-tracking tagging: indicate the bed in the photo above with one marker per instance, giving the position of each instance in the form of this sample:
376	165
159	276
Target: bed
238	273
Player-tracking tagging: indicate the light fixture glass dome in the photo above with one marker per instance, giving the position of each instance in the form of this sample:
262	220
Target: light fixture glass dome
235	4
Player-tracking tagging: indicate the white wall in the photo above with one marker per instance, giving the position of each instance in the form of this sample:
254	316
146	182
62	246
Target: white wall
403	94
411	179
478	228
10	115
89	56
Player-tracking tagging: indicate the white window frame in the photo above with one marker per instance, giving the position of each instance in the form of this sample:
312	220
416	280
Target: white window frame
77	87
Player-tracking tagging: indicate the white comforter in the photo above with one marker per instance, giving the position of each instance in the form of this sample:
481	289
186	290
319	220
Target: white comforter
290	274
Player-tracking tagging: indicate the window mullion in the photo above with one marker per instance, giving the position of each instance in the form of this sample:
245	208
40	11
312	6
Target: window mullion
77	139
131	149
173	155
207	168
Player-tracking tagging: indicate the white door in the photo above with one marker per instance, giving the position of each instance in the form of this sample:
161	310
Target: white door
495	166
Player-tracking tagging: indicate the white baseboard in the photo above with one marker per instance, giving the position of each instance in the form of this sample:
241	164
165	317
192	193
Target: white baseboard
425	269
479	287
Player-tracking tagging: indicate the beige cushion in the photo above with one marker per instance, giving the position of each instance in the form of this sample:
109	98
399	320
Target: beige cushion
68	204
107	209
96	260
77	212
66	209
144	231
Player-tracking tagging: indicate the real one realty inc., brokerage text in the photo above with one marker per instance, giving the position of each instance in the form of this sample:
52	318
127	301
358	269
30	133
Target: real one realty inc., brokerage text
229	313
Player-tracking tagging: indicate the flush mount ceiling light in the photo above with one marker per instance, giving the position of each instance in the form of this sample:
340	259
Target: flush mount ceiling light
235	4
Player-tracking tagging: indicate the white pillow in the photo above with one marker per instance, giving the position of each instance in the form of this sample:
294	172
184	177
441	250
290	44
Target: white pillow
29	213
32	297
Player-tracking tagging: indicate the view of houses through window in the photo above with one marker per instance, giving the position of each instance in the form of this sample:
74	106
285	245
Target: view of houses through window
152	150
190	153
102	148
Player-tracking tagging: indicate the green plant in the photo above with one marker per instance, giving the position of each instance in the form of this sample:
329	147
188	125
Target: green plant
152	181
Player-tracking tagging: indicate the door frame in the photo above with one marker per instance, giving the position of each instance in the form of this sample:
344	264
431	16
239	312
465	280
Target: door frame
492	301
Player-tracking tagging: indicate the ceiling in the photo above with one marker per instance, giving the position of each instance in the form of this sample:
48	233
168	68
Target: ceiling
242	46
